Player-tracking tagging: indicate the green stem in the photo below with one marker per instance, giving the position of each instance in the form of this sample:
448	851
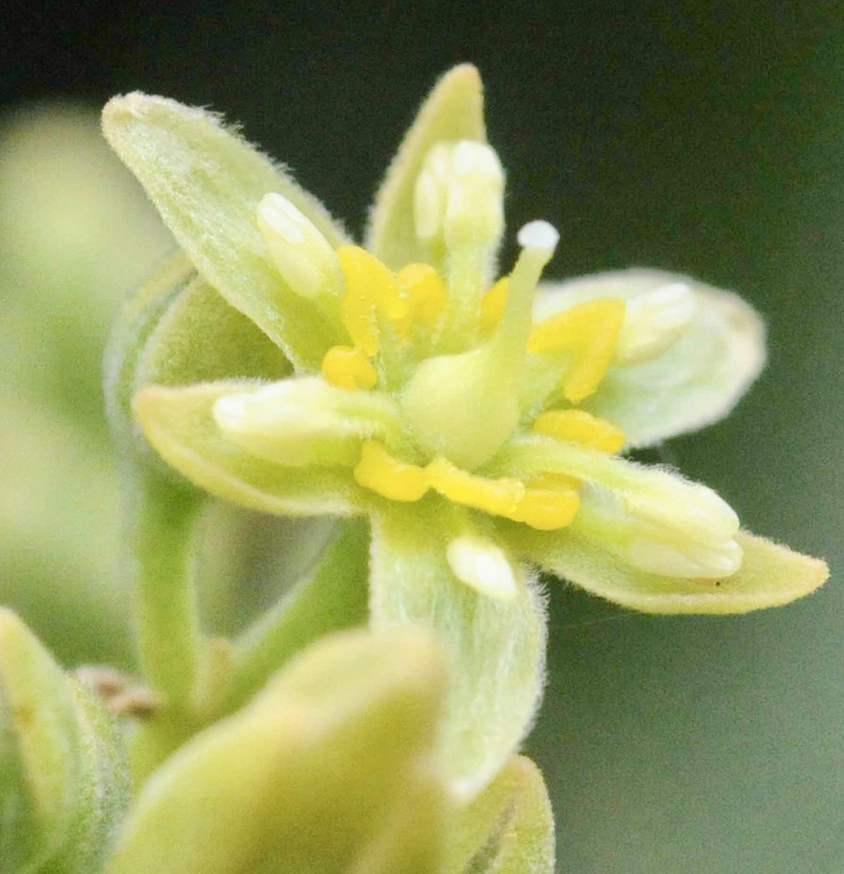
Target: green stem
332	596
161	517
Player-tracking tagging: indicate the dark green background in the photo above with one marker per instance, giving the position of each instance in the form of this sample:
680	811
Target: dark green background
702	137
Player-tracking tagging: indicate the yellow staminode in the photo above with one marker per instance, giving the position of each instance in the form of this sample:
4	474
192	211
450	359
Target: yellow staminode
581	427
493	305
371	289
348	367
498	497
427	297
389	477
589	332
554	482
547	509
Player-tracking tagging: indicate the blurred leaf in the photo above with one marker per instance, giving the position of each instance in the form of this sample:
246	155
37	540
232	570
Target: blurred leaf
76	233
328	770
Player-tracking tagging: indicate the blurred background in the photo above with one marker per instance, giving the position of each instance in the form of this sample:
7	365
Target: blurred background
698	137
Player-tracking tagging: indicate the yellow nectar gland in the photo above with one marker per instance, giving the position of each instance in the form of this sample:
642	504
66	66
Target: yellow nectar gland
547	509
498	497
581	427
427	298
371	289
493	304
387	476
348	367
589	332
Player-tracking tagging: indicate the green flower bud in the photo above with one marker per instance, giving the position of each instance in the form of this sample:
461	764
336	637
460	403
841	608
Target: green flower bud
508	829
63	774
176	331
330	769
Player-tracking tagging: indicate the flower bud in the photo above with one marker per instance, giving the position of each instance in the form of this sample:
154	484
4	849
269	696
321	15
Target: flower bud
63	773
178	330
328	770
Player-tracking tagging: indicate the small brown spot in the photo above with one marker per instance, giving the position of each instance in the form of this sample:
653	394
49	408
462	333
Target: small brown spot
121	694
24	716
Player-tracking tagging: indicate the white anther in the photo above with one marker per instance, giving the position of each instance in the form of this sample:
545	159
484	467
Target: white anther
303	421
291	406
427	205
478	159
483	566
459	194
301	254
688	560
653	321
690	509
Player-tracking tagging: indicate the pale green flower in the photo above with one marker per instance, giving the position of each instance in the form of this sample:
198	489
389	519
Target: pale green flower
475	424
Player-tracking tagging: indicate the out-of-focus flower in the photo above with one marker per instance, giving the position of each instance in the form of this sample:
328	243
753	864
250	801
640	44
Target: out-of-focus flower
66	209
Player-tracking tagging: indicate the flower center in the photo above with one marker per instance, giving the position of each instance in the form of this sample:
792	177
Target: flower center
448	387
466	406
453	408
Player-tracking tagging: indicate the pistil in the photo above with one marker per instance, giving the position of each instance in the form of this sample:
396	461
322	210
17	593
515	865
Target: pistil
464	407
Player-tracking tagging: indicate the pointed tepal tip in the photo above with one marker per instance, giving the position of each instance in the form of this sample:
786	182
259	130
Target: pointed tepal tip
10	622
467	73
462	79
149	109
134	104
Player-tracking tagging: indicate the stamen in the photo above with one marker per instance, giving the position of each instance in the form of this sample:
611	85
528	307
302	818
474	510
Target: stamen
348	367
303	257
665	500
459	215
589	331
389	477
429	197
459	194
370	288
498	497
427	294
652	547
483	566
304	420
581	427
654	321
